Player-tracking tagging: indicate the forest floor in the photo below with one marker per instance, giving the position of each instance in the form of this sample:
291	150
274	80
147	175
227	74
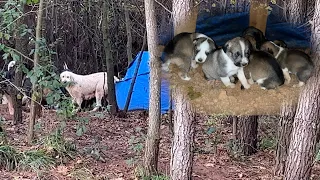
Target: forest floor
116	138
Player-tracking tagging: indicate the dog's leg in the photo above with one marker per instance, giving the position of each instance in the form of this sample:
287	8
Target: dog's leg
226	82
243	78
79	102
250	81
194	64
286	75
99	96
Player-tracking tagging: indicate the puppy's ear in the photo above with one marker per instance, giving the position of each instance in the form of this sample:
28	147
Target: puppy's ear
225	47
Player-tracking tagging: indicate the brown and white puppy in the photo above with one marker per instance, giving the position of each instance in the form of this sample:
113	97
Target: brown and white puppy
223	63
186	50
254	36
291	61
264	70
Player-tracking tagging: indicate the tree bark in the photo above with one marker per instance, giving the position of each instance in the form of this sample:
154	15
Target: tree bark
109	60
21	45
183	138
248	132
185	16
153	136
306	121
297	10
129	36
259	14
35	89
181	162
284	134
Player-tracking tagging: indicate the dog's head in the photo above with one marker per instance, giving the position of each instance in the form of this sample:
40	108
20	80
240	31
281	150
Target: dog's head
203	46
66	76
238	50
270	47
280	43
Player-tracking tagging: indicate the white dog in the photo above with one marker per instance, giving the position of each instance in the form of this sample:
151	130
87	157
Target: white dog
84	87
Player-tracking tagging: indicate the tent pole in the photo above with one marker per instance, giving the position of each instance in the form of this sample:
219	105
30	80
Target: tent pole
126	107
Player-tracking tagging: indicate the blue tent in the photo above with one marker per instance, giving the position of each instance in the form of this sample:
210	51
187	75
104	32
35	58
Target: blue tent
140	94
221	29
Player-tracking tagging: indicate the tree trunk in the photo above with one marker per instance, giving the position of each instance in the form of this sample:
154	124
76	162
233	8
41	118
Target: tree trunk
259	14
185	16
182	144
248	131
181	162
109	60
284	135
306	121
21	45
129	36
35	89
297	10
153	136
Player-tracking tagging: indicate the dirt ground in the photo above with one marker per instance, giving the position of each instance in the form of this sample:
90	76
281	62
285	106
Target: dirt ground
217	99
213	159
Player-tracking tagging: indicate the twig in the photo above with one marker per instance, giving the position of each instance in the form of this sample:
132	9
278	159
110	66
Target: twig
163	6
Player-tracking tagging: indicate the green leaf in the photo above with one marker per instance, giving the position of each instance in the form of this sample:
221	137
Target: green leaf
15	56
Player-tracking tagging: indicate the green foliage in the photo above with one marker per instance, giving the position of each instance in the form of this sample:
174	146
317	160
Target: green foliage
136	143
268	143
58	147
9	157
81	126
36	160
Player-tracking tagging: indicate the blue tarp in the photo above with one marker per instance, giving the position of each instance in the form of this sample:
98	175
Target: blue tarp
221	29
140	94
228	26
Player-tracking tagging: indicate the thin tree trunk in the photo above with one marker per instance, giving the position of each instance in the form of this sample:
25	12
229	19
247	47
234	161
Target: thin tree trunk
21	45
182	144
306	122
35	89
153	135
109	60
234	126
284	134
248	131
129	35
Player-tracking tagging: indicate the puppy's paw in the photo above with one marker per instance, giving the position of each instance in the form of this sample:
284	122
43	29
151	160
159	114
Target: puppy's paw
194	65
232	85
300	84
250	81
286	82
247	86
165	68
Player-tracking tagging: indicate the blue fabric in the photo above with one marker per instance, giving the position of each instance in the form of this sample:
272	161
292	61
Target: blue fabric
225	27
140	94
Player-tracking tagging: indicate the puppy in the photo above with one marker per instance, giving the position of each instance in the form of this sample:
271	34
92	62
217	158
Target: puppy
280	43
291	61
186	50
255	36
264	70
228	61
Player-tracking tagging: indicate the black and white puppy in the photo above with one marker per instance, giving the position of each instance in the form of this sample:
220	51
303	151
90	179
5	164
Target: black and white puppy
223	63
186	50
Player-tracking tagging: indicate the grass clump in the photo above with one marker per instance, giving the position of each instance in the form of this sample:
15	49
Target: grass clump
9	157
58	147
36	160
